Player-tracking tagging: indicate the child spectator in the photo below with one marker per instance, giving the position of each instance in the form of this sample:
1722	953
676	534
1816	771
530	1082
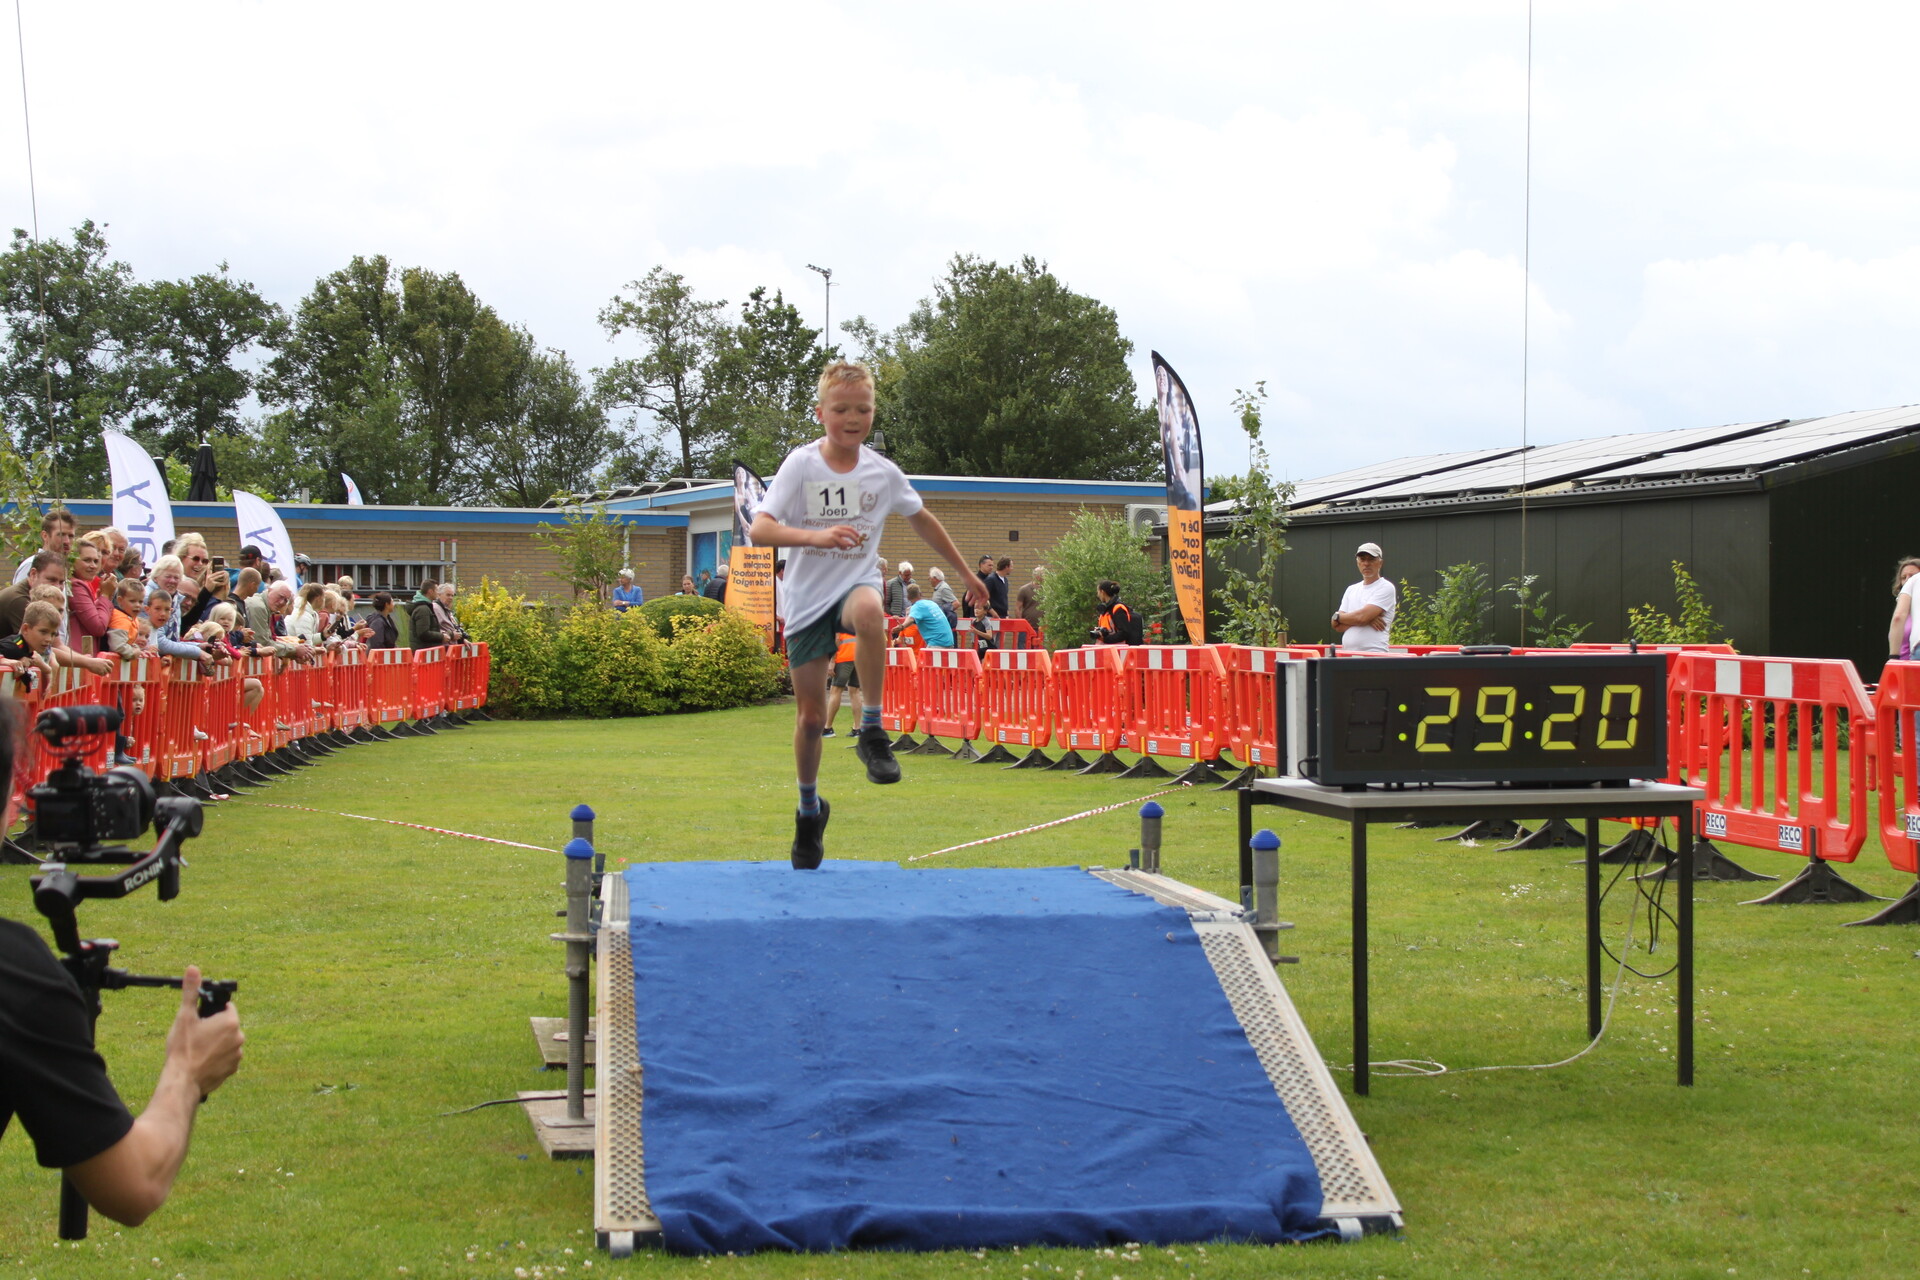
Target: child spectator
30	651
829	500
123	624
63	656
925	614
166	635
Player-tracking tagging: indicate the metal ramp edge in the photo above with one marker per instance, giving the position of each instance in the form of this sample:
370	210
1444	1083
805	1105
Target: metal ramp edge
622	1215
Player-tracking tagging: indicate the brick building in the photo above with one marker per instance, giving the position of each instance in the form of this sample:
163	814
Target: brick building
667	533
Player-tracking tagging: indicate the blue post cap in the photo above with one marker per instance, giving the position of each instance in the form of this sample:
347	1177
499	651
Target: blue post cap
581	813
1264	839
1152	809
578	848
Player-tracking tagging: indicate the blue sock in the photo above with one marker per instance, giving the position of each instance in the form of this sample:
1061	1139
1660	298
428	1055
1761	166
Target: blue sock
869	717
809	798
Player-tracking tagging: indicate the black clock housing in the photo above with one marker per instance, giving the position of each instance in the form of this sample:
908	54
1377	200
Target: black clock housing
1543	720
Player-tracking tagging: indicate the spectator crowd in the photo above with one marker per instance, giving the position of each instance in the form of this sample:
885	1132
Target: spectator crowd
83	601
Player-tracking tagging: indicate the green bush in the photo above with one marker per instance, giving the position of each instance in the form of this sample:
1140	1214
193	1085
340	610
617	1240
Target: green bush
662	611
723	662
612	663
1695	625
519	642
1095	548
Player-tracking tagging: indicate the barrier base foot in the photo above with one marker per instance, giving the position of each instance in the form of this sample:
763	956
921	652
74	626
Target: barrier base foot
1487	829
931	747
342	738
1071	760
1904	909
999	755
254	776
1034	759
480	713
1106	762
1817	882
1144	767
905	742
1709	864
365	734
382	733
1420	826
1201	773
312	747
1638	845
227	778
424	727
965	751
446	721
1241	780
1555	833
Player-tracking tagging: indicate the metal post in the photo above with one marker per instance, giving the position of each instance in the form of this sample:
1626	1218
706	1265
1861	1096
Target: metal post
1362	1065
1684	976
1594	1014
1265	847
579	892
1150	815
1246	848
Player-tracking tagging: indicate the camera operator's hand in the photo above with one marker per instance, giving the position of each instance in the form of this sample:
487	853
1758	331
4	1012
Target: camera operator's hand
207	1049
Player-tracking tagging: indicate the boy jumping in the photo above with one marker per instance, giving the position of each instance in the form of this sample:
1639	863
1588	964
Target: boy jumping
829	501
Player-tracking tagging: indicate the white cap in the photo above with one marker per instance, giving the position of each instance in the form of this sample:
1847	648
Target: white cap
905	567
1368	549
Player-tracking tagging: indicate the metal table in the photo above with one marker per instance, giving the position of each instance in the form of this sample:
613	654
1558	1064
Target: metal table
1470	803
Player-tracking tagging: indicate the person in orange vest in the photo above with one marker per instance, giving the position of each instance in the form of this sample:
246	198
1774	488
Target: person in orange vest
844	677
1118	624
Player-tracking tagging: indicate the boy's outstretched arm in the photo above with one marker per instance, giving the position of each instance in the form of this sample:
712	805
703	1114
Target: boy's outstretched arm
768	532
935	535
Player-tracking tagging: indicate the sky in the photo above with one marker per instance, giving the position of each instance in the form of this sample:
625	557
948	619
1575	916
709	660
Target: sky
1329	198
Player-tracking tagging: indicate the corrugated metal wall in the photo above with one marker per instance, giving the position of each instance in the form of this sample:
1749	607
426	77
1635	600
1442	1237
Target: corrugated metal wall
1596	559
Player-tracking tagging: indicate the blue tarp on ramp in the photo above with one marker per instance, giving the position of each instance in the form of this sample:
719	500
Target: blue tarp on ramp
869	1057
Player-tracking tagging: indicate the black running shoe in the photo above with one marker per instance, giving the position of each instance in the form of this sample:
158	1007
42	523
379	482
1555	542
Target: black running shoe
808	832
827	732
876	752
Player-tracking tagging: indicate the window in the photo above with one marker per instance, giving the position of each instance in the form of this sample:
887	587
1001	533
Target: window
397	578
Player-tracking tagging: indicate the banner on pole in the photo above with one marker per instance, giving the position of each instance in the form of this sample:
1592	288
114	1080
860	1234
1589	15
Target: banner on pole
750	568
353	492
140	505
1186	488
260	526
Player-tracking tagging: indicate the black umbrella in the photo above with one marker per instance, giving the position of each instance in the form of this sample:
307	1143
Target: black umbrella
206	477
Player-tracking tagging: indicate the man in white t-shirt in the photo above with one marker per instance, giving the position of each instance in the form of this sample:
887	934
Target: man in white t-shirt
1365	619
829	501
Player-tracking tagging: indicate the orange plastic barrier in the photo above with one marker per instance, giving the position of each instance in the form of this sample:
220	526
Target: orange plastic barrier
256	726
1895	704
900	695
352	681
390	694
147	675
1089	698
219	721
949	686
1175	699
1012	633
483	672
180	753
293	702
1252	728
1760	734
429	668
1015	696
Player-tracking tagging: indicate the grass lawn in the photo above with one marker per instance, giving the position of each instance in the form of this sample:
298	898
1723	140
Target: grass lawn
387	976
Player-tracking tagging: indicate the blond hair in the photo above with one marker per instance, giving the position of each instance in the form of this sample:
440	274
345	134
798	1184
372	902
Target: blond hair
224	614
41	614
206	631
191	540
47	593
843	373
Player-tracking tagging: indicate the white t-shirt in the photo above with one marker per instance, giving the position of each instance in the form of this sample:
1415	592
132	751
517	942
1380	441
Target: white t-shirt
806	493
1911	590
1359	596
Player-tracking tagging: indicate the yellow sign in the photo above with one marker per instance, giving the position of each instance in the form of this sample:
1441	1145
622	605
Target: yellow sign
1186	555
750	587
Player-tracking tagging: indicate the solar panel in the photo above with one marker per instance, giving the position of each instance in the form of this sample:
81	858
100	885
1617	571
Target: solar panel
1782	444
1551	464
1354	479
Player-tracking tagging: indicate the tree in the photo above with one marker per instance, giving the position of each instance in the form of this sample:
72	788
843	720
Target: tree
460	360
1258	526
671	378
555	437
1005	371
589	547
190	336
1094	549
64	371
764	374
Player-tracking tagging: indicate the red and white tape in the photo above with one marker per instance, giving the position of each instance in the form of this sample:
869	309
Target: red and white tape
1024	831
395	822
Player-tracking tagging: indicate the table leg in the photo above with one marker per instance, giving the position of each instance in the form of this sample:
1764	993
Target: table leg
1362	1070
1684	975
1593	927
1246	847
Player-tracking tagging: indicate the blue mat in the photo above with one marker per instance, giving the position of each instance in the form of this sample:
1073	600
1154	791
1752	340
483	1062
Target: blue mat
868	1057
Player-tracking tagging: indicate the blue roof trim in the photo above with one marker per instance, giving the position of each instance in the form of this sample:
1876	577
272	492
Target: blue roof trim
184	514
1112	490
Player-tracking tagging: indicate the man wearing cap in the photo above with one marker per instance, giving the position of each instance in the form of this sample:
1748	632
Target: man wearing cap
626	595
1365	620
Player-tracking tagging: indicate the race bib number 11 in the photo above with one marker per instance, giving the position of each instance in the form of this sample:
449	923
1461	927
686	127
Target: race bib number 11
833	501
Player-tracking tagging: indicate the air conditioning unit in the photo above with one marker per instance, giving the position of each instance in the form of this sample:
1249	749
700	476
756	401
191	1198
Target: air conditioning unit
1142	516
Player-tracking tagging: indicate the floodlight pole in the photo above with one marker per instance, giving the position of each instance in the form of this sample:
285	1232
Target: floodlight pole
826	274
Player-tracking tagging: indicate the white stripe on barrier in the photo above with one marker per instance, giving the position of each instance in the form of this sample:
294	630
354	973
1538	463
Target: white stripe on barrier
1726	676
1779	679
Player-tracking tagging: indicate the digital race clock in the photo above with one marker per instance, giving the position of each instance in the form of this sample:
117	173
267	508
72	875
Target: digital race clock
1570	718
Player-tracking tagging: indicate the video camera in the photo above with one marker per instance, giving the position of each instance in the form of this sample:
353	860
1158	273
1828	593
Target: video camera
74	811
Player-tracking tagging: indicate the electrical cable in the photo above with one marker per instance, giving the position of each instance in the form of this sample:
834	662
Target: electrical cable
1526	317
39	264
501	1102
